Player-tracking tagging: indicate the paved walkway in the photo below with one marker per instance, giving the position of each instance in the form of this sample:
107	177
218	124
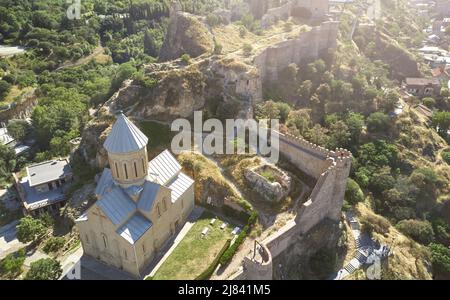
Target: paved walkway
157	262
8	239
364	246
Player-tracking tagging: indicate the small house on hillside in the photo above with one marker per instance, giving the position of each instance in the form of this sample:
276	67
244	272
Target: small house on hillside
422	87
42	190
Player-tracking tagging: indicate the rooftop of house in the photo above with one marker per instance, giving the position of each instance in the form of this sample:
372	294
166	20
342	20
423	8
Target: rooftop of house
422	81
125	137
48	171
34	200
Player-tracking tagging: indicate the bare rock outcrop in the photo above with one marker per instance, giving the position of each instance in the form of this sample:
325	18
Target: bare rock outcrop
186	35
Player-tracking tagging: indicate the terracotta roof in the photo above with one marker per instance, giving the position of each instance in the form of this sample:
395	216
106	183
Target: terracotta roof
421	81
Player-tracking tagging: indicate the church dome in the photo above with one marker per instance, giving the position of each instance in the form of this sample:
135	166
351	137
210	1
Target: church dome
127	153
125	137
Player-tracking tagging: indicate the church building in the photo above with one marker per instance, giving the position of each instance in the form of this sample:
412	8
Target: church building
140	204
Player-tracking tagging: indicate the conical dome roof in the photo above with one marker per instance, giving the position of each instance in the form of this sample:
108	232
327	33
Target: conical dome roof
125	137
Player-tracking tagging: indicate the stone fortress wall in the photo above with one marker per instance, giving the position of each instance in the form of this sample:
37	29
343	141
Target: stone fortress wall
308	46
331	170
318	8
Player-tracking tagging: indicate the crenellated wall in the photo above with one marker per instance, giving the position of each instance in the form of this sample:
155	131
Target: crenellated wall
308	46
331	169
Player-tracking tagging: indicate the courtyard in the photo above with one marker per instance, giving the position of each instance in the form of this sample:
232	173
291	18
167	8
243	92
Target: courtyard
197	251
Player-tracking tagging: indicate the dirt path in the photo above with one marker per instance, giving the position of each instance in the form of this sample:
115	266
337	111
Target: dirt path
98	50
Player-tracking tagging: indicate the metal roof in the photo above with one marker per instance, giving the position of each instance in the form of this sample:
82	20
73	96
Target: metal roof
163	168
179	185
117	205
5	138
125	137
133	230
148	196
105	182
48	171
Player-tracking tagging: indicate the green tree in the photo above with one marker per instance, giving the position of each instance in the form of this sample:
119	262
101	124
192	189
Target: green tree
5	87
441	261
420	231
355	123
441	119
30	229
382	180
7	162
44	269
378	122
353	193
339	135
18	129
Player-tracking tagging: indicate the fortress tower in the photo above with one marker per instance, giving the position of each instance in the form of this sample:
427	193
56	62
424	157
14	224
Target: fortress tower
127	153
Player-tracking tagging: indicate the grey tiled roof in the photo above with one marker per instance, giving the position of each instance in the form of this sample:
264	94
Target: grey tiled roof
125	137
148	196
179	185
163	168
105	182
117	205
134	228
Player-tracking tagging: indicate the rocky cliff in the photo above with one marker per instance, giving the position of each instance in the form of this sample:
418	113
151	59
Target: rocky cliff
186	35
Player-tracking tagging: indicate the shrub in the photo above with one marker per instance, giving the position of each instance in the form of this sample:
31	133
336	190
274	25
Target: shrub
217	48
446	156
229	253
54	244
420	231
353	193
186	58
429	102
12	264
247	48
373	223
242	31
44	269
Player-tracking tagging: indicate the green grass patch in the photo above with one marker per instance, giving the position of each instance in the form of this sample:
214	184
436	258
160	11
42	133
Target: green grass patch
195	253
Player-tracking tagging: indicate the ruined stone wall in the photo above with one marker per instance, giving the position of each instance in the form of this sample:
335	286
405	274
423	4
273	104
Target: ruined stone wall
317	8
308	46
331	169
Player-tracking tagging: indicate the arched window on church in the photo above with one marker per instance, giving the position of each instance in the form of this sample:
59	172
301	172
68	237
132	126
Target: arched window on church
135	169
105	240
158	210
126	171
117	169
164	201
